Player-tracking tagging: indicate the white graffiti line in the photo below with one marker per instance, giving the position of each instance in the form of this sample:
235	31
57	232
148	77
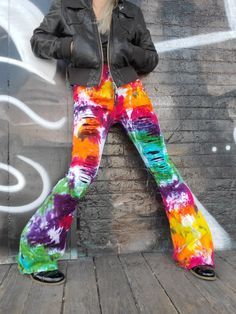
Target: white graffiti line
232	116
24	17
35	117
20	178
204	39
46	189
27	67
195	41
230	8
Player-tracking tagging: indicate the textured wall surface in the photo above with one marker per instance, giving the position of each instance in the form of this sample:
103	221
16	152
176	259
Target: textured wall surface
193	92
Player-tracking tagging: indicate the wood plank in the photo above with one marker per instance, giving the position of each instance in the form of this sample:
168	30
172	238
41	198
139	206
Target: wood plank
226	273
219	294
128	283
14	291
3	272
184	295
81	290
45	299
115	293
229	256
149	294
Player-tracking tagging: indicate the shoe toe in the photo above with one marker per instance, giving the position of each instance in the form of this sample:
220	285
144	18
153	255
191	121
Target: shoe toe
204	271
52	276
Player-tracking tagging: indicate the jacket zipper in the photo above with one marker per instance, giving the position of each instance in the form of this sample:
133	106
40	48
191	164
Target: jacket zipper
108	59
102	55
100	42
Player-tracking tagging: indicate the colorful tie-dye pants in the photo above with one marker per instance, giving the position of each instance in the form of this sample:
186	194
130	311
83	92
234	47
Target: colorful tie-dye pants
43	240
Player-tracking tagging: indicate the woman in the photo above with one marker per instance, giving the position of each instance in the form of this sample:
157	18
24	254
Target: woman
107	46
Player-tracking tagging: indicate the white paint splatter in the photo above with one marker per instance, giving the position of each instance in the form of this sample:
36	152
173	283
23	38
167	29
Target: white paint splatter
187	220
122	91
176	200
46	189
19	177
29	68
23	19
35	117
194	41
54	234
230	8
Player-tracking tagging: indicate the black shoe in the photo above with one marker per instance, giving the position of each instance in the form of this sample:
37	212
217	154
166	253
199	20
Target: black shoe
206	272
52	277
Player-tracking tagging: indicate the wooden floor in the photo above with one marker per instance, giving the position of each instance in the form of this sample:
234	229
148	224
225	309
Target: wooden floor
125	284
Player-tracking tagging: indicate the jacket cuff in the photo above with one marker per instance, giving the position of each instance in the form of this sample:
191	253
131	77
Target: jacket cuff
65	47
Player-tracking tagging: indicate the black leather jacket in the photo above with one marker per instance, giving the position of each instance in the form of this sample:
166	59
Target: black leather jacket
131	50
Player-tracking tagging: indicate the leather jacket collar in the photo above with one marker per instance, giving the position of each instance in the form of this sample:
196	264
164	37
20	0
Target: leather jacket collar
88	4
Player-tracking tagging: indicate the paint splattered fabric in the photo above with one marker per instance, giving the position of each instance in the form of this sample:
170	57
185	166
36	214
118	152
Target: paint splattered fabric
43	239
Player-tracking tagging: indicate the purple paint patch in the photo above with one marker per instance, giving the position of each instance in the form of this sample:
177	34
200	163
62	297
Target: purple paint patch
175	187
143	120
47	229
64	204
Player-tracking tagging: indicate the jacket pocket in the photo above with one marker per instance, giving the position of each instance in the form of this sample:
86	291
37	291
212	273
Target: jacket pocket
123	55
84	52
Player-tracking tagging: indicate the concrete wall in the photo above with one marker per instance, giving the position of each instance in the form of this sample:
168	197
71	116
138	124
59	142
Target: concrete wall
193	92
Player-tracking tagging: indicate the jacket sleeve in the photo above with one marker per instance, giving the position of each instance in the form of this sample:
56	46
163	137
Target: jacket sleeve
46	41
145	56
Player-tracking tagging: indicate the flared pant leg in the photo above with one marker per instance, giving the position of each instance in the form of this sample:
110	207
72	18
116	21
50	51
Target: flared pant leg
43	239
190	233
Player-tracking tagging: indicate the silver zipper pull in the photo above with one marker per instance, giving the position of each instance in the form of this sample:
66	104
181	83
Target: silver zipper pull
114	85
115	94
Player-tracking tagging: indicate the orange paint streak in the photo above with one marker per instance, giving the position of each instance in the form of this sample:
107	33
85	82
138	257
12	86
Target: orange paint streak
84	148
136	97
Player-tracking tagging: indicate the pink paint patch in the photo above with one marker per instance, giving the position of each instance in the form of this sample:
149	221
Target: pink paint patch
120	110
75	93
193	261
190	197
143	111
198	260
76	161
89	162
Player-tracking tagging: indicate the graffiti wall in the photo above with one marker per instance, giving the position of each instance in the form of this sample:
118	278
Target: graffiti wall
35	123
193	92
